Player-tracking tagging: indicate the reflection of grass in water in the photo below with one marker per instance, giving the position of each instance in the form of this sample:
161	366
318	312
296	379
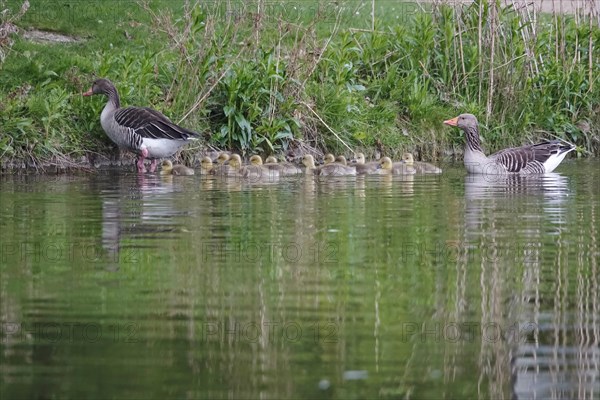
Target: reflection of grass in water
258	73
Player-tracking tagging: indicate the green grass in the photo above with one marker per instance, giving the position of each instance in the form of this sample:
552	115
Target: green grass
269	76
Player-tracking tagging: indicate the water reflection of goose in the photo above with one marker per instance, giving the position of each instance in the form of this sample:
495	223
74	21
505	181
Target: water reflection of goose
143	207
551	186
494	197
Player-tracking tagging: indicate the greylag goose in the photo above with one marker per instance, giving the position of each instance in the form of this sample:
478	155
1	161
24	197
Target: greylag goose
386	167
284	168
420	166
167	168
331	169
363	167
141	130
537	158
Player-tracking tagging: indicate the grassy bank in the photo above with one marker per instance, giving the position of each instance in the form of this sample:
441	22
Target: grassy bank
283	77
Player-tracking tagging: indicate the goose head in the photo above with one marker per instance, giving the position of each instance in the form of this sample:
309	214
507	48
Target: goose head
463	121
407	158
271	160
360	158
341	160
235	161
256	160
166	167
308	161
222	158
386	164
101	86
328	159
206	164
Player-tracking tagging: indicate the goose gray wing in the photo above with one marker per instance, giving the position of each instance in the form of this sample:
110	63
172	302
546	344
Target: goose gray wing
151	124
531	157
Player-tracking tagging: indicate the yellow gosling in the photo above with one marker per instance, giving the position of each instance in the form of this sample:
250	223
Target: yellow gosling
222	168
331	169
328	159
419	166
341	160
284	168
363	167
309	163
388	167
206	165
254	172
167	168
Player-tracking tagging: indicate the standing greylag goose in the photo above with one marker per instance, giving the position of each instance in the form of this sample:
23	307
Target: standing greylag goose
141	130
331	169
284	168
537	158
363	167
387	167
420	166
167	168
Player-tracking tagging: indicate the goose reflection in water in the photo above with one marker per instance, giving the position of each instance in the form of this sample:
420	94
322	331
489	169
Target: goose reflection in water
139	206
515	225
534	195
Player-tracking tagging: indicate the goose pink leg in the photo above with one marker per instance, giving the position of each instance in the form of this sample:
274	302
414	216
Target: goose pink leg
140	162
153	165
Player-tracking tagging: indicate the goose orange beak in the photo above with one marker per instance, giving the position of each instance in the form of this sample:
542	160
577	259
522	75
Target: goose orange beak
451	122
88	93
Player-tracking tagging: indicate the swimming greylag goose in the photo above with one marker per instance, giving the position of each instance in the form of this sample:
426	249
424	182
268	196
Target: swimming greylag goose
363	167
141	130
420	166
537	158
284	168
167	168
386	167
331	169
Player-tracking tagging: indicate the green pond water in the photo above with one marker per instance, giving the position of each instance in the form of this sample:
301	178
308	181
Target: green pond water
114	285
